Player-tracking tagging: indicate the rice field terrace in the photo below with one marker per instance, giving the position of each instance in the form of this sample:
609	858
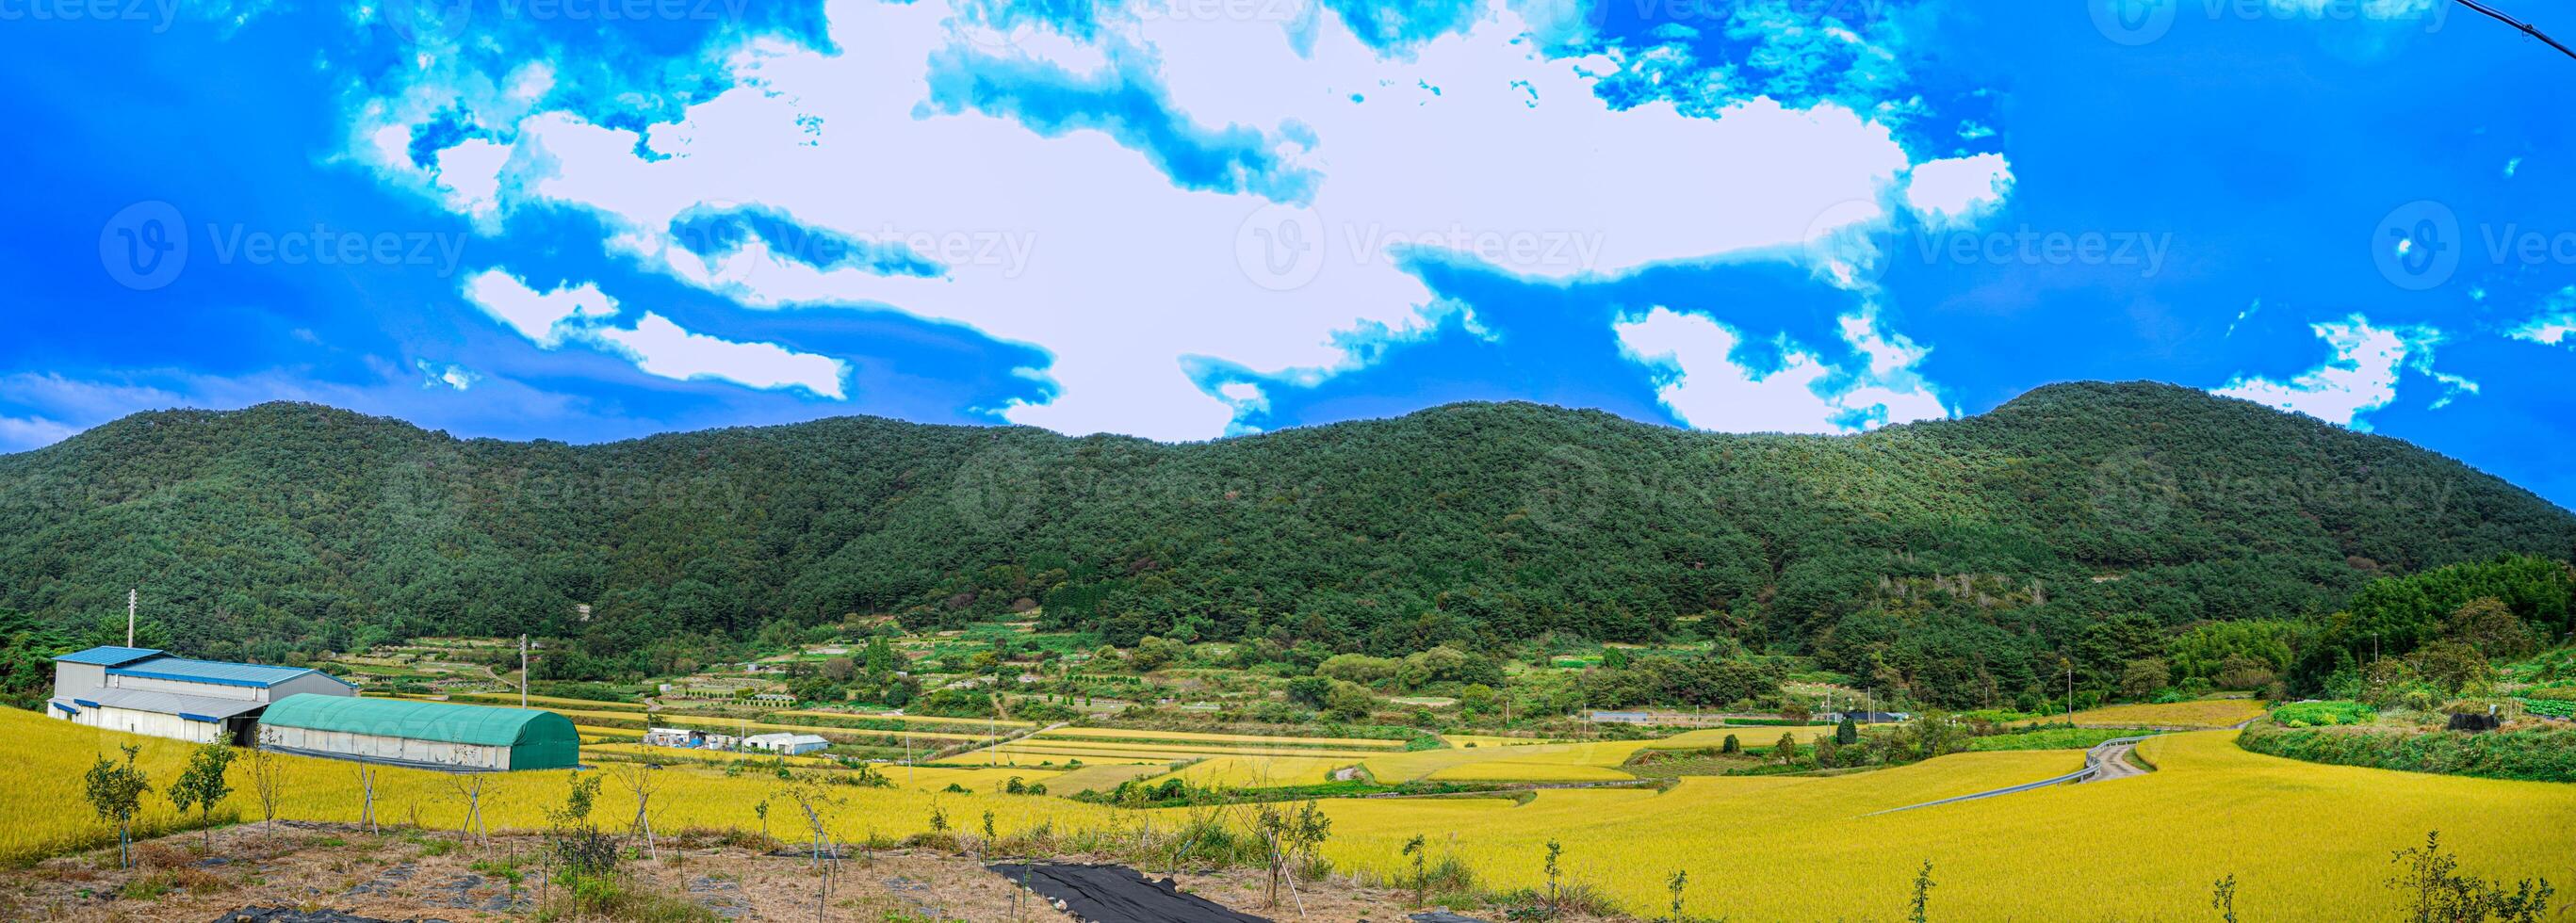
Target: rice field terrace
1754	847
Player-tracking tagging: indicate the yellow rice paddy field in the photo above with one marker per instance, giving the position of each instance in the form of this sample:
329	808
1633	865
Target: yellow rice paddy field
1538	759
40	811
1259	771
2306	842
1746	736
2200	713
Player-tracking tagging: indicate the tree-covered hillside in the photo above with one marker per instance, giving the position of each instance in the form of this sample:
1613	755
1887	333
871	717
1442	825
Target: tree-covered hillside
1962	555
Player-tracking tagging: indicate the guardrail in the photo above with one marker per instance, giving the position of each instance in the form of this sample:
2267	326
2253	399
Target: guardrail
2093	760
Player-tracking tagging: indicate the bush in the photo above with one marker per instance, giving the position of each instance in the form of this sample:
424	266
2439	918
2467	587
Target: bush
2543	754
2323	714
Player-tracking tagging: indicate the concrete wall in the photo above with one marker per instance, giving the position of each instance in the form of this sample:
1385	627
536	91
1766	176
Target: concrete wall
150	723
385	749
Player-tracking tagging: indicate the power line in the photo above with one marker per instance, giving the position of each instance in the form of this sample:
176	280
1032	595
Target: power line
2526	28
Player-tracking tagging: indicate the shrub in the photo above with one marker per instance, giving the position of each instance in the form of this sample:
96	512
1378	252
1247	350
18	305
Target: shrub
2323	714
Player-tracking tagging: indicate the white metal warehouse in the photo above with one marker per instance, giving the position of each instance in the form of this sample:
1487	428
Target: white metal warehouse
144	691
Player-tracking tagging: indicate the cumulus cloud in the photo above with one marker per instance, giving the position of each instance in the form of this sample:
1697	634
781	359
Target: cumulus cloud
660	347
655	344
1958	191
18	434
1703	381
452	376
2362	376
2553	324
1169	189
542	317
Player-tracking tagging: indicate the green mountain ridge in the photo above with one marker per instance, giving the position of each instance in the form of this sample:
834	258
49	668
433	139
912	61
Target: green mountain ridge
1979	546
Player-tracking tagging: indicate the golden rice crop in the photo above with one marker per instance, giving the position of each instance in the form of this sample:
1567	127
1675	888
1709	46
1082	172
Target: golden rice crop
1746	736
2199	713
1406	767
1260	771
2305	841
1185	750
1494	740
1017	752
1518	771
675	754
46	778
1348	743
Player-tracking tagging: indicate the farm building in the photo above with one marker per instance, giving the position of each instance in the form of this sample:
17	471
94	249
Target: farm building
790	744
143	691
428	735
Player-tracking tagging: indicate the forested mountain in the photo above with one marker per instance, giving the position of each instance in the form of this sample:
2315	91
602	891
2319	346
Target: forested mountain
1965	552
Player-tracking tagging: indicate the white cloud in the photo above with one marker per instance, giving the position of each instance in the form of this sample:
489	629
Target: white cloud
655	344
660	347
1707	388
2553	324
2362	376
19	434
453	376
1125	275
1958	191
541	317
470	176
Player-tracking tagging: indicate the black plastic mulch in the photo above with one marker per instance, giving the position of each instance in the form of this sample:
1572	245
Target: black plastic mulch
1117	894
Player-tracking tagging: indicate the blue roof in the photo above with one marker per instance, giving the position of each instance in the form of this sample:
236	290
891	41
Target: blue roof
213	671
109	656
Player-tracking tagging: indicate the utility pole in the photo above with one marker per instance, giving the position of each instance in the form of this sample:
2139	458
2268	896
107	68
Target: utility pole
523	670
130	600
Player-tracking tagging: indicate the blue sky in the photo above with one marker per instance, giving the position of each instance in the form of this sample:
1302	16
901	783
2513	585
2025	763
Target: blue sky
1183	219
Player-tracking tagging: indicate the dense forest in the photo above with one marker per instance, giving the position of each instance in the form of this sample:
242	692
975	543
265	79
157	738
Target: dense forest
1963	558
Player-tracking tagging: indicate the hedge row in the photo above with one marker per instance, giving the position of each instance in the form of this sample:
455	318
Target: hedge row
2545	755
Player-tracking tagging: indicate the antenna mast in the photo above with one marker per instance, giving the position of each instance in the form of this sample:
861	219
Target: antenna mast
130	600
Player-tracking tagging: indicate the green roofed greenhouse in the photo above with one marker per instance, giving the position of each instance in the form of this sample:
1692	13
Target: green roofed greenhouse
429	735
